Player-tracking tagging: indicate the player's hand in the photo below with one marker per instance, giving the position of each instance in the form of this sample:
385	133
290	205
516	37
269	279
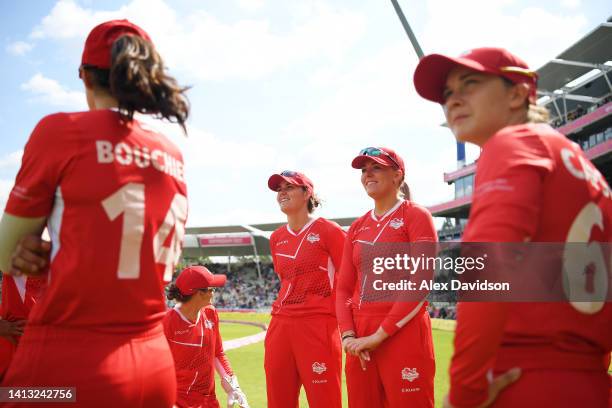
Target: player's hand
496	386
368	343
10	329
349	345
237	397
31	256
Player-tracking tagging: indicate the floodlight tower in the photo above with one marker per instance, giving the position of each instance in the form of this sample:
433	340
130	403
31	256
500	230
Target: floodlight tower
420	54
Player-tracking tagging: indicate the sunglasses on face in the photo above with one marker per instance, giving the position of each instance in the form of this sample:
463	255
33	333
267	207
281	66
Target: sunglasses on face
375	152
211	290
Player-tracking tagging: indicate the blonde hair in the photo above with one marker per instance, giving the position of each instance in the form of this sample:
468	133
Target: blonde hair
537	114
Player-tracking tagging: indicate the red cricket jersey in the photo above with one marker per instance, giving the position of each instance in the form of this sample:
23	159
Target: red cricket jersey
19	295
405	222
115	200
306	263
196	348
532	184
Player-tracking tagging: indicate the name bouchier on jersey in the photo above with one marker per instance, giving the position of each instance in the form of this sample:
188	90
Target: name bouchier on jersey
141	157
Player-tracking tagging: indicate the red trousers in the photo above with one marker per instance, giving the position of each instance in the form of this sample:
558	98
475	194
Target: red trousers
401	370
107	370
303	351
559	389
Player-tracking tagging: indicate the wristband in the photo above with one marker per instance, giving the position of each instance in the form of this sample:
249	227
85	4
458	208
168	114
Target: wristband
348	336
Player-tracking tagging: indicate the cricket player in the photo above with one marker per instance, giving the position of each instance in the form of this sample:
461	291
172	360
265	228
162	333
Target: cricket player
390	358
302	345
112	194
192	330
532	185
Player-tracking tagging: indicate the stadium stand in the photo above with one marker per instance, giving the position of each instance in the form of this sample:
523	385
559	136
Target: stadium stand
576	88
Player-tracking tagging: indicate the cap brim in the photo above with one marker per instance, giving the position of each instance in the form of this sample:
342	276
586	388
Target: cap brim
360	161
276	179
431	73
218	281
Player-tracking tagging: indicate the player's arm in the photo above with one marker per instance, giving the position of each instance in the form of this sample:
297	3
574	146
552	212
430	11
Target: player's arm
14	230
422	238
31	199
506	209
229	380
336	238
347	280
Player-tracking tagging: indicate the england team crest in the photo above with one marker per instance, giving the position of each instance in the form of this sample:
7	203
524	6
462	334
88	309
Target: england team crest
410	374
318	368
312	238
208	324
396	223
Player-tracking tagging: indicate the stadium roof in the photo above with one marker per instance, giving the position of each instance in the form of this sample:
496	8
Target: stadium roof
590	52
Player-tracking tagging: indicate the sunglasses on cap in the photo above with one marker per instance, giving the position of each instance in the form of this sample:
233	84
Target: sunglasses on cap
288	173
375	152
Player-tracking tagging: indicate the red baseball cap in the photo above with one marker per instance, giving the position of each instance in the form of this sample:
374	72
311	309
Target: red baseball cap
97	50
197	277
431	72
291	177
381	155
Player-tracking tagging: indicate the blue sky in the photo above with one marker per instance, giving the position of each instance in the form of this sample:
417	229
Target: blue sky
279	84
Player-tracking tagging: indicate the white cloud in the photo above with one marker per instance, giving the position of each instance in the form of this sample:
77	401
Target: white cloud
535	34
51	92
11	160
244	49
19	48
251	5
571	4
5	190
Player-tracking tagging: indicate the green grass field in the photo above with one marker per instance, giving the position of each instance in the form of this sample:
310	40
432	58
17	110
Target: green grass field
247	361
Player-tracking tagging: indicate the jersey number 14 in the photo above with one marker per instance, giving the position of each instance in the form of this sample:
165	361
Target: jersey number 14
129	200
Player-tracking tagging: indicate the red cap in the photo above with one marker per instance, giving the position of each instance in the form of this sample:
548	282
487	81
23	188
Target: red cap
431	72
381	155
197	277
291	177
97	50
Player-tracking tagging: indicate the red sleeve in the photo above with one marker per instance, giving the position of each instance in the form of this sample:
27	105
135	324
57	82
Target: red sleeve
506	201
335	245
346	286
420	228
219	353
505	208
274	262
44	158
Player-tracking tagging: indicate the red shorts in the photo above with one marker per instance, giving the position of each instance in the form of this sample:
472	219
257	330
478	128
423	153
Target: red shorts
107	370
303	350
401	370
557	388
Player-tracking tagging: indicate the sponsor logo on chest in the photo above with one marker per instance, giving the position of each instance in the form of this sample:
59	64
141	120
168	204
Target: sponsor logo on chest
312	238
396	223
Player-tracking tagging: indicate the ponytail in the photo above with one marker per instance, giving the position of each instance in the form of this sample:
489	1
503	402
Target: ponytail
138	81
173	293
405	191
